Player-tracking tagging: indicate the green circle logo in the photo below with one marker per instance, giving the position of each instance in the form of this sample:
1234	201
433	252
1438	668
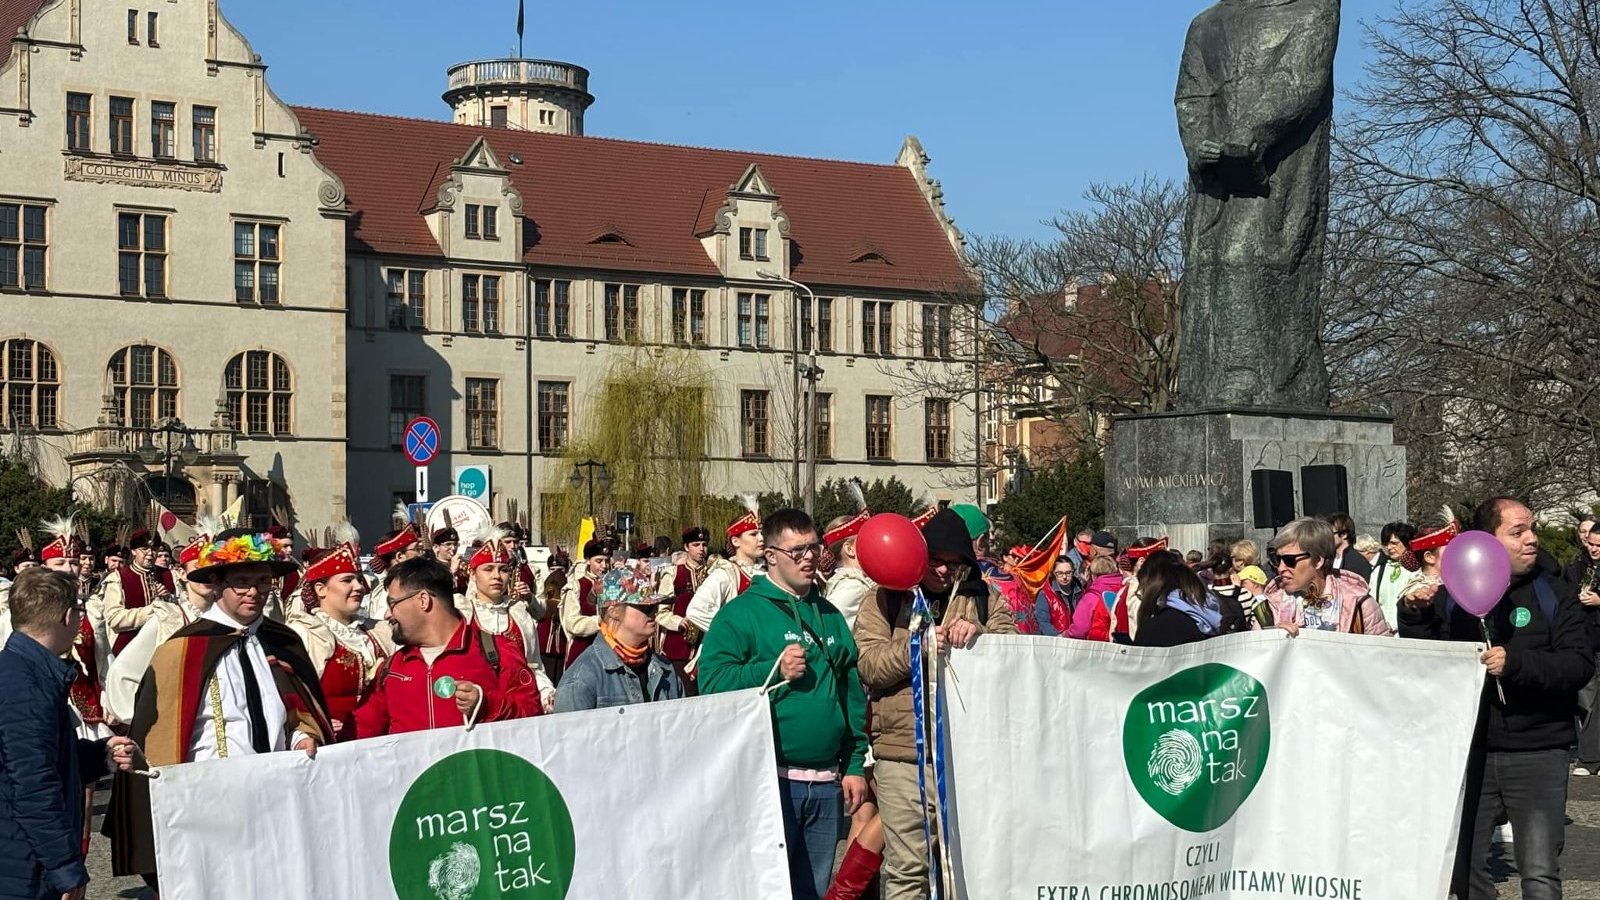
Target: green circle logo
482	824
1521	617
1195	744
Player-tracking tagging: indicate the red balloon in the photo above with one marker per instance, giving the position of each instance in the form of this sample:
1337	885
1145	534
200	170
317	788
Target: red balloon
892	551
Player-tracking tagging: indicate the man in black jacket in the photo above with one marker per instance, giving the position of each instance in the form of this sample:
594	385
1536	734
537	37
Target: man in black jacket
1540	659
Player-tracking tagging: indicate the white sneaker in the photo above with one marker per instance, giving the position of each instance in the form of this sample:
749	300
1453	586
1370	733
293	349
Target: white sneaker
1502	834
1582	771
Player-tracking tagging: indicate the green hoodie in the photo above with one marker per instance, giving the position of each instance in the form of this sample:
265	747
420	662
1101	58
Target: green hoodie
820	718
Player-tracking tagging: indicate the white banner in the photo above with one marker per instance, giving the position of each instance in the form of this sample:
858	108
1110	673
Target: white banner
1252	765
662	800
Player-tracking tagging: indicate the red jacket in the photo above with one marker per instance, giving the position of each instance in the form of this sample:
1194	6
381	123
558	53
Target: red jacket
403	699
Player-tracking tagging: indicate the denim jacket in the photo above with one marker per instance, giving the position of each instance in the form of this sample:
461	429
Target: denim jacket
597	678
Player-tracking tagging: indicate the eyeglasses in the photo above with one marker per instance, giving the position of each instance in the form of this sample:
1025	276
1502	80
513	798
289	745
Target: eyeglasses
396	601
796	554
259	585
1285	560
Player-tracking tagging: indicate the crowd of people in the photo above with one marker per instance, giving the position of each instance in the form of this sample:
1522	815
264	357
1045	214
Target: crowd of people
133	658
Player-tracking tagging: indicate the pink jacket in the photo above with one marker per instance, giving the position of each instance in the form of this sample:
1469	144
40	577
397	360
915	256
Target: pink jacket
1348	590
1091	621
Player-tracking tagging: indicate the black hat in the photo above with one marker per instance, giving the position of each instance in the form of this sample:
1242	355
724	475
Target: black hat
1104	540
240	547
140	539
446	536
596	548
696	533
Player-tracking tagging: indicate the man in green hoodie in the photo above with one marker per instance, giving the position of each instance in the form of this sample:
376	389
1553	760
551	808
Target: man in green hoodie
818	708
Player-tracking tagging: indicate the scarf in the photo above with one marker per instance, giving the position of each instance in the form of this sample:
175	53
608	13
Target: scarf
1207	616
633	657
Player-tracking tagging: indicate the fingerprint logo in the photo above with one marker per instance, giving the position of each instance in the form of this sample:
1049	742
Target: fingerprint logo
1175	761
454	874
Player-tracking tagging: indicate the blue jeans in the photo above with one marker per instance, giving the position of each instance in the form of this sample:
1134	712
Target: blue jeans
812	817
1530	789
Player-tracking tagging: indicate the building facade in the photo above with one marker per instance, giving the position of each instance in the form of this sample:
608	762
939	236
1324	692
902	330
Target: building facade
294	284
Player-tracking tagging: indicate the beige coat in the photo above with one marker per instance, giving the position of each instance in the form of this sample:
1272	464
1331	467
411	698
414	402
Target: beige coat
886	662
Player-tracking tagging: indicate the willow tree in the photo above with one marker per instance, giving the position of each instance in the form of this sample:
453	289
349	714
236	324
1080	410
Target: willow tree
651	422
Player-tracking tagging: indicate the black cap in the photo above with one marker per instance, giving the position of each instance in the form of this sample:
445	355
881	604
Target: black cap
1104	540
696	533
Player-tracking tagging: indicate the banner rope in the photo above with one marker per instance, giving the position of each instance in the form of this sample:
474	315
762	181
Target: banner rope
921	620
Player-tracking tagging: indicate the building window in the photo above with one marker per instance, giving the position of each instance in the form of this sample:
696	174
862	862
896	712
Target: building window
879	445
937	437
406	402
823	324
408	299
150	32
552	308
142	254
257	255
122	126
80	112
936	331
547	117
622	312
497	117
205	134
133	26
753	428
553	416
30	384
482	222
163	127
877	328
260	393
24	240
688	317
483	413
144	385
753	244
824	426
480	303
755	322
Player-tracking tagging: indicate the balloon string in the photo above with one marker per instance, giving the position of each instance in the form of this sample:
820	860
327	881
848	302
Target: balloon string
1483	624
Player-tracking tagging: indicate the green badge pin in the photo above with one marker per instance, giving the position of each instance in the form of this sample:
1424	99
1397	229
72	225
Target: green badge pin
444	687
1521	617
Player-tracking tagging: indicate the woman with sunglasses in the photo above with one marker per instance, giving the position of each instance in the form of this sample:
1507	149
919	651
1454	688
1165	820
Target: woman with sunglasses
1308	593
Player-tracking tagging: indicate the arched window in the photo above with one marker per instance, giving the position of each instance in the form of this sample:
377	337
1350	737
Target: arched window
144	385
29	384
260	393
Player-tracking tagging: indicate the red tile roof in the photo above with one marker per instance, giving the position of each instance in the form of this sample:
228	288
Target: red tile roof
655	196
14	14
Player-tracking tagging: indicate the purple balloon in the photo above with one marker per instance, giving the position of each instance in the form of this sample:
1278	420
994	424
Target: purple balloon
1477	570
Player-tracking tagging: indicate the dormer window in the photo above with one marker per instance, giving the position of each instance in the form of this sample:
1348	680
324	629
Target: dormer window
753	244
483	222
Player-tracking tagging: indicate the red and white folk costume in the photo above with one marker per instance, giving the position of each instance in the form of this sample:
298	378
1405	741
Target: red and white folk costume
725	578
382	557
87	657
676	635
848	587
513	619
346	655
580	617
129	593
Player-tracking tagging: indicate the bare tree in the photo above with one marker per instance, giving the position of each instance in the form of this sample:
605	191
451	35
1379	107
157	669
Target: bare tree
1464	258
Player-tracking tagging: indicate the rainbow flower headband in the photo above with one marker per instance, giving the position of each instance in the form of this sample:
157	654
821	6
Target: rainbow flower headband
246	548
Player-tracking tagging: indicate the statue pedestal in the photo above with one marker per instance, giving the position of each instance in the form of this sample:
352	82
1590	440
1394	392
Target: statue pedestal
1200	475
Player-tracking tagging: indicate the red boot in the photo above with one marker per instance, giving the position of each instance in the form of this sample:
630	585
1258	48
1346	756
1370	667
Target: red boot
856	872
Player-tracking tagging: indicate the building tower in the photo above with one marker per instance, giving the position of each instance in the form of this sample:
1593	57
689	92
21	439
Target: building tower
522	94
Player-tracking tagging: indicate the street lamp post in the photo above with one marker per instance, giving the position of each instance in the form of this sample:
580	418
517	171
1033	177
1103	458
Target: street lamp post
187	453
588	474
812	374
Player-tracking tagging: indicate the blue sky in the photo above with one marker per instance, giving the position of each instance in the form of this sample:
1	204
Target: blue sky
1020	103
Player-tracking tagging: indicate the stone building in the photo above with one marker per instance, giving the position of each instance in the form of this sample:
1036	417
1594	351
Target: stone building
249	267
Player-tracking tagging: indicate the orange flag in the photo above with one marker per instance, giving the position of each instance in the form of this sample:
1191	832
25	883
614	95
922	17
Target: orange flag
1034	569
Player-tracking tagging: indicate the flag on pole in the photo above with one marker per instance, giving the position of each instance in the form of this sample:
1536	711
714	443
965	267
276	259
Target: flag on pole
174	531
585	535
1034	569
519	27
234	513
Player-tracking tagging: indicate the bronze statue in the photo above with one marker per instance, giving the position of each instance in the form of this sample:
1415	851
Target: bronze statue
1255	102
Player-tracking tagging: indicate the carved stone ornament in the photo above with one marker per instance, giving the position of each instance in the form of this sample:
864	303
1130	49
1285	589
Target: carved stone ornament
145	173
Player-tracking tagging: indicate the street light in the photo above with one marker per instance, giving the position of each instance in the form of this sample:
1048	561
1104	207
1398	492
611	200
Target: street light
150	453
588	474
811	373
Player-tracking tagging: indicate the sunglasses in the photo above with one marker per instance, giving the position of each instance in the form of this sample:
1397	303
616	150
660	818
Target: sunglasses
1288	560
796	554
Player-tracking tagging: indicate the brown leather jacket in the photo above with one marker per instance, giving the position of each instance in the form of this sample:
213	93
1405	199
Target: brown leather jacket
885	663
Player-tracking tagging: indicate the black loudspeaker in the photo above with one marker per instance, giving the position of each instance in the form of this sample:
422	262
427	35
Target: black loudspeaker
1324	490
1272	494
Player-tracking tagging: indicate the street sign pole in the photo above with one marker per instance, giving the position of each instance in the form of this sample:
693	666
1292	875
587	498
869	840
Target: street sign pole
422	484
